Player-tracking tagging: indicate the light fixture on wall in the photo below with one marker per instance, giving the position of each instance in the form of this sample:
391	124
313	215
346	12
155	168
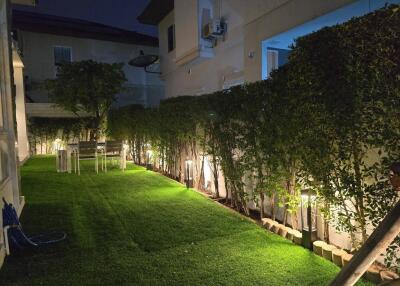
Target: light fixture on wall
251	54
308	217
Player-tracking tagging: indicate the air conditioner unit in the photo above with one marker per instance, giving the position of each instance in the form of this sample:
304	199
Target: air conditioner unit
215	29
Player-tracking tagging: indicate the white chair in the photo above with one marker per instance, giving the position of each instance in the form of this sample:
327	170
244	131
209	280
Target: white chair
114	150
87	150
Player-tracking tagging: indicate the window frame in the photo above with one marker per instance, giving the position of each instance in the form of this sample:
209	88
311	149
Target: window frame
54	54
276	66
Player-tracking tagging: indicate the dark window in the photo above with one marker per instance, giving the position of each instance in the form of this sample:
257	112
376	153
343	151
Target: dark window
171	38
62	55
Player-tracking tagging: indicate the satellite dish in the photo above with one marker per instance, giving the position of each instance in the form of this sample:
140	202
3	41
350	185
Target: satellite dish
144	61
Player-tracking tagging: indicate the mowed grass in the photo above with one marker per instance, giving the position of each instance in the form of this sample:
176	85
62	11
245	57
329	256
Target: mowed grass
140	228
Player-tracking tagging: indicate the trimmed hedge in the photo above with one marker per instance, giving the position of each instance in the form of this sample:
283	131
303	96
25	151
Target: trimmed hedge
315	123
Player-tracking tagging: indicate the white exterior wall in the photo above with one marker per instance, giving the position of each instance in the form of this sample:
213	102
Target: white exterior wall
202	75
266	20
248	22
39	62
22	135
9	183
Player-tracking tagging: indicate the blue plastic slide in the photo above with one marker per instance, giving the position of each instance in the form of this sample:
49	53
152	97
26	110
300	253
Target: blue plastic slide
16	237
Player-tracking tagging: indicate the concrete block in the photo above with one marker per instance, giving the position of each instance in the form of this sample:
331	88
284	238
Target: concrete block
337	256
317	247
297	237
327	251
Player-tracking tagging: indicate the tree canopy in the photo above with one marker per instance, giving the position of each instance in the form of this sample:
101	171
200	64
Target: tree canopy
87	86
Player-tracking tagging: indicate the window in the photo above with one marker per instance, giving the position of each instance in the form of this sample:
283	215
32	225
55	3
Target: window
171	38
272	60
62	55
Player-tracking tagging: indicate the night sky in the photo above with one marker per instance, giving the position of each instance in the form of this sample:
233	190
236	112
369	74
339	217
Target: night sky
117	13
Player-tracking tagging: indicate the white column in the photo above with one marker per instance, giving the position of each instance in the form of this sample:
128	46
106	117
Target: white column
23	143
6	83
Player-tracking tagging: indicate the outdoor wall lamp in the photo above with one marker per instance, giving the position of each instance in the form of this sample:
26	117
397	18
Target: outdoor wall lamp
308	217
189	173
149	158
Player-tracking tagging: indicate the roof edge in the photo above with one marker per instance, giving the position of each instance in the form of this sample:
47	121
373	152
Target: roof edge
71	27
155	11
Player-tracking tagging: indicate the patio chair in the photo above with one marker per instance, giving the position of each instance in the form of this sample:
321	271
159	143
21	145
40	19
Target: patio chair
114	150
87	150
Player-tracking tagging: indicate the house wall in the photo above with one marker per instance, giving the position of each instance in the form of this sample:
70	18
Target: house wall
22	135
277	19
38	57
9	179
203	74
238	57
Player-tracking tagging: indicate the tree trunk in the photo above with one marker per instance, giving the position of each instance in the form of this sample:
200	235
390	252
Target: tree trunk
215	168
362	219
202	180
293	218
292	193
359	198
261	205
326	225
216	175
351	232
285	209
273	206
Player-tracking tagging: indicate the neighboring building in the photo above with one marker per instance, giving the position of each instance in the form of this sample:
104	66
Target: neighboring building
209	45
11	86
45	41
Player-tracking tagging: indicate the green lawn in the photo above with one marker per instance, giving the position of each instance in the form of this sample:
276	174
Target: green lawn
139	228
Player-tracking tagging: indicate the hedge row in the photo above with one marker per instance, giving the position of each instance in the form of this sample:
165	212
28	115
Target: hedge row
328	120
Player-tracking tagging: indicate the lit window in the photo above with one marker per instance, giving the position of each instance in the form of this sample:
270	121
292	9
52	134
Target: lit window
171	38
62	55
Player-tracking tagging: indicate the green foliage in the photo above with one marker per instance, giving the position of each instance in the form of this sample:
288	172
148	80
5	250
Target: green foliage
327	120
44	131
87	86
53	127
357	98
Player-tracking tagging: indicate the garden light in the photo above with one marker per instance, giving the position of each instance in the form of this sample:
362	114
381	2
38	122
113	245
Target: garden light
308	217
149	158
189	173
